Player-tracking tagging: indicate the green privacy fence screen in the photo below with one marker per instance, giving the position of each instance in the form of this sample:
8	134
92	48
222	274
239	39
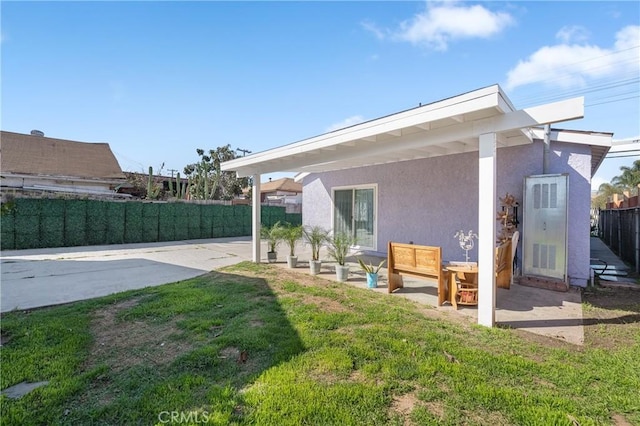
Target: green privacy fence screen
38	223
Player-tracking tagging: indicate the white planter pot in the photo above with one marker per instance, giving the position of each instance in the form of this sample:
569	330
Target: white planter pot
272	256
342	273
315	266
292	261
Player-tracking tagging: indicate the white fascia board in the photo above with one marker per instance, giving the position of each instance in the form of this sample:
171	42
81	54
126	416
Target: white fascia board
469	102
570	109
445	136
300	176
624	145
504	104
578	137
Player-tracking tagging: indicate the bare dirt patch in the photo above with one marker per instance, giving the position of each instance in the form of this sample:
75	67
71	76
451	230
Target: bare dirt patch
619	420
611	317
403	406
326	304
123	344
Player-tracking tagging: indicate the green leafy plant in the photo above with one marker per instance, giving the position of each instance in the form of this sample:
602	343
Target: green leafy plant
292	234
273	235
8	205
339	246
316	236
370	269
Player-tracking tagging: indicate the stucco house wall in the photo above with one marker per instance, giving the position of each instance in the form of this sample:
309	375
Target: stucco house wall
426	201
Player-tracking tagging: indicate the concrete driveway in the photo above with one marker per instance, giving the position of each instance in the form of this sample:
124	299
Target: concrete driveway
43	277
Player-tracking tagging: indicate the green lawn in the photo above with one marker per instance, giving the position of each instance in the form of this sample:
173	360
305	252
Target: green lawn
260	345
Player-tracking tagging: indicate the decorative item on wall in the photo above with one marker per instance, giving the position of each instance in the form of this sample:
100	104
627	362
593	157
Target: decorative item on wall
508	217
466	242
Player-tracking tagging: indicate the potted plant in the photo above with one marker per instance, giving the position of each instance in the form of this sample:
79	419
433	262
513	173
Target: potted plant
316	236
273	235
338	249
372	272
292	234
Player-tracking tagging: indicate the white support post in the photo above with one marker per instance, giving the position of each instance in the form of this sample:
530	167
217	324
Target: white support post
487	229
255	217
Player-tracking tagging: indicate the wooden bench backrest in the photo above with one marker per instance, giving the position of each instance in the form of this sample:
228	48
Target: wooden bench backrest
411	258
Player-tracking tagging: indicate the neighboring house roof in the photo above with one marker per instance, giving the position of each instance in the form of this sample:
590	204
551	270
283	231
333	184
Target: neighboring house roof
446	127
43	156
284	185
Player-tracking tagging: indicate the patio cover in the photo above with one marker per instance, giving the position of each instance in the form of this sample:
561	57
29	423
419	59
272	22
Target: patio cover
481	120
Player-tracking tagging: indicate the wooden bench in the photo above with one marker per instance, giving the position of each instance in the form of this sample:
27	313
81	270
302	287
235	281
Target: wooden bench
416	261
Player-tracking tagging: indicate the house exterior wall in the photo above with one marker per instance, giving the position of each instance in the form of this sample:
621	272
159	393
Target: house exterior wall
426	201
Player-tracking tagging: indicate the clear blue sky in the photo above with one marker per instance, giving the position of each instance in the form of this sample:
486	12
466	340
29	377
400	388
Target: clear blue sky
157	80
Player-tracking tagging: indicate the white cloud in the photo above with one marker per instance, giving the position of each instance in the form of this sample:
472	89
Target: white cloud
350	121
573	33
573	65
443	22
373	28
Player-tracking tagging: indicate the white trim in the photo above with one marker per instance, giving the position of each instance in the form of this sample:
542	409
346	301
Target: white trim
569	136
373	186
300	176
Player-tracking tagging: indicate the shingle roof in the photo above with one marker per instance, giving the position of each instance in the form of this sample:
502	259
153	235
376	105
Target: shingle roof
284	184
39	155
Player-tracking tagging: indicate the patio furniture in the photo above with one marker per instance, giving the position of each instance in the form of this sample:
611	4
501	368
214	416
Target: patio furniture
463	278
417	261
504	262
463	284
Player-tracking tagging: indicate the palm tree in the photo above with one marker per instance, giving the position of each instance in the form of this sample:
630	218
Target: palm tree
630	177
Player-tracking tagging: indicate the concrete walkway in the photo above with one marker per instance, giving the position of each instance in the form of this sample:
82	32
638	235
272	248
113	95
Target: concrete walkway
43	277
611	270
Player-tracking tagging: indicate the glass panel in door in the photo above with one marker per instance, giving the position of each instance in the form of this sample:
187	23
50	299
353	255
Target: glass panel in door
343	212
363	217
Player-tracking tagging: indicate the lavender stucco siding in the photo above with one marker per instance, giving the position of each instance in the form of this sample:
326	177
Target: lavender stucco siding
426	201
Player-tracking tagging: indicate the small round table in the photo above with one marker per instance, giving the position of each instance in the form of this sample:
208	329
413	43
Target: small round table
467	292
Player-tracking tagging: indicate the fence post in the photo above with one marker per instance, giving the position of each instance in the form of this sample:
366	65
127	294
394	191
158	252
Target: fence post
619	232
636	213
